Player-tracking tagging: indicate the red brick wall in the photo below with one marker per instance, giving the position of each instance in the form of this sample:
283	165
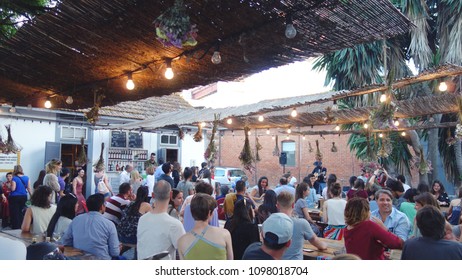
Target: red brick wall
342	163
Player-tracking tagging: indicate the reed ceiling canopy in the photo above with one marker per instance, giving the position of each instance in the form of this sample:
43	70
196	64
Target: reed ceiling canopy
87	46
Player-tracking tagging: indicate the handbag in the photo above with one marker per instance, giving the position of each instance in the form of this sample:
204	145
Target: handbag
102	188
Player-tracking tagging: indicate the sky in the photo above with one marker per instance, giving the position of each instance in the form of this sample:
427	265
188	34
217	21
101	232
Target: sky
294	79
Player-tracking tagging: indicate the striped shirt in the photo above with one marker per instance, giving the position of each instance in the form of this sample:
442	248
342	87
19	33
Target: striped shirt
114	207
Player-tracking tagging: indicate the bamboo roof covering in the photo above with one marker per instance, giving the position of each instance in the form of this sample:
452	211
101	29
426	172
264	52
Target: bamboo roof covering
88	45
311	109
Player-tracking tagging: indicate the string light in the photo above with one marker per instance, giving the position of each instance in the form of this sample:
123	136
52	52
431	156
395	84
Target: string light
289	130
290	32
273	137
294	113
287	137
48	103
169	72
216	57
304	138
380	135
403	133
229	121
443	86
267	131
203	124
366	126
261	118
337	128
383	98
13	108
396	123
130	84
249	133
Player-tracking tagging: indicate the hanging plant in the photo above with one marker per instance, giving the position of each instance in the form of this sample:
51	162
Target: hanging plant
210	154
310	149
2	145
423	166
10	146
258	147
99	165
173	27
198	135
92	115
449	139
383	117
318	155
334	148
82	159
180	133
329	118
246	156
276	151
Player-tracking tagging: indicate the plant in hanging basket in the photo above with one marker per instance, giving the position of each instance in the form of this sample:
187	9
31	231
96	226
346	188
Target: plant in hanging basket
198	135
258	147
246	156
10	146
173	27
382	117
92	115
99	165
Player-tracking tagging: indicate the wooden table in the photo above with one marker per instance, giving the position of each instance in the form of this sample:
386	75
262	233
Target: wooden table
26	238
335	247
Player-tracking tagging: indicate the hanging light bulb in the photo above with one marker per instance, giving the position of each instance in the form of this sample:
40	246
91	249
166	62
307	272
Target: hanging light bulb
169	72
294	113
261	118
291	32
216	57
268	131
273	137
403	133
287	137
69	100
335	106
304	138
289	130
203	124
130	84
48	103
380	135
396	123
249	133
229	121
366	126
383	98
337	128
443	86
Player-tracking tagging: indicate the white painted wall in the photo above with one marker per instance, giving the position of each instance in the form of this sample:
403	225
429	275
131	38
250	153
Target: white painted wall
192	153
32	137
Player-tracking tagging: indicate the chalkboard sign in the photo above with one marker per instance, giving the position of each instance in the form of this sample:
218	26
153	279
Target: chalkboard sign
119	139
135	140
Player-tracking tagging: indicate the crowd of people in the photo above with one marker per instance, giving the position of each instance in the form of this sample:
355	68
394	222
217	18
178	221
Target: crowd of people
173	213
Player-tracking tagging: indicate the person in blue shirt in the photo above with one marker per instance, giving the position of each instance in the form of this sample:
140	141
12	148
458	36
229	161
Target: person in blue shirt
312	198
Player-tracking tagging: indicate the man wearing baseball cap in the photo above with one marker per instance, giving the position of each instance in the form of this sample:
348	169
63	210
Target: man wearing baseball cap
277	236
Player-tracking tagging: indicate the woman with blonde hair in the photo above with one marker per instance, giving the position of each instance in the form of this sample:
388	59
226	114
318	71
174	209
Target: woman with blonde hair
53	168
101	177
135	180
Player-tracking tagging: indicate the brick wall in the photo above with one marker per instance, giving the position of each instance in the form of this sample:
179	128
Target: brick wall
342	163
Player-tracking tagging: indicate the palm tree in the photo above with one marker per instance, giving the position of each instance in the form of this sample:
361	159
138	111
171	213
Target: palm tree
436	39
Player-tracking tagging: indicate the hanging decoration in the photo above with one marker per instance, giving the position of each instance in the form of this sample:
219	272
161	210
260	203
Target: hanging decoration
2	145
173	27
310	149
318	155
99	165
82	159
383	117
329	118
334	148
276	151
93	114
459	131
424	166
246	156
386	148
198	136
180	133
258	147
210	154
10	146
449	139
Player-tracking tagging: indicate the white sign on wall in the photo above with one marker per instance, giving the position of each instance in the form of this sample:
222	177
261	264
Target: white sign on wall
8	161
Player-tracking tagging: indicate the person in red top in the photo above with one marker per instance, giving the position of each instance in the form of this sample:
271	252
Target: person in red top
364	237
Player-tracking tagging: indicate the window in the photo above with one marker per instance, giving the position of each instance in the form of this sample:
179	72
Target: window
71	132
168	139
289	148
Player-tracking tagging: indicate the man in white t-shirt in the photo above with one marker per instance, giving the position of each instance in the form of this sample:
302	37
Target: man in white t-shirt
124	177
402	179
157	230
